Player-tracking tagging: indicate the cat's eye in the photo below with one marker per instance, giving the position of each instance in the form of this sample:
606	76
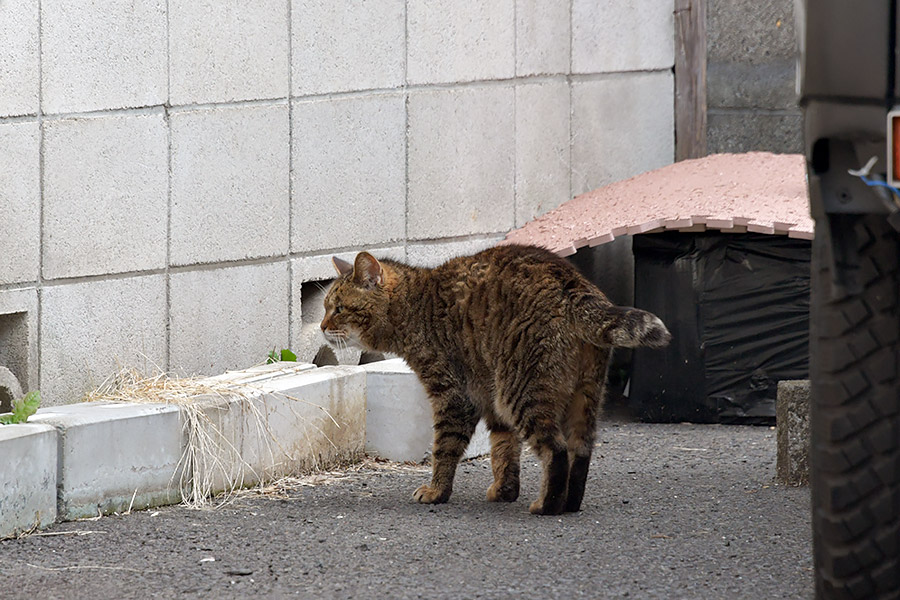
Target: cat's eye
338	309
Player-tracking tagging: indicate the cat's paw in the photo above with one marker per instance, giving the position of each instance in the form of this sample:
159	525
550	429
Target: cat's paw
429	495
539	507
503	493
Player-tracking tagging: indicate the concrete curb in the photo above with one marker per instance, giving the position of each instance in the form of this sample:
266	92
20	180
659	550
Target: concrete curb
86	459
27	477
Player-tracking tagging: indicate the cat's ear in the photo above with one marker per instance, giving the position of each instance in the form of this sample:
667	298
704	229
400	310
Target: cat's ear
341	265
367	270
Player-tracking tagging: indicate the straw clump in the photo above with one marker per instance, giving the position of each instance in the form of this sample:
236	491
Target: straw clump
215	462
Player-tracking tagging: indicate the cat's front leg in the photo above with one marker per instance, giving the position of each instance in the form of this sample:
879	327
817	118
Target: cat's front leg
455	419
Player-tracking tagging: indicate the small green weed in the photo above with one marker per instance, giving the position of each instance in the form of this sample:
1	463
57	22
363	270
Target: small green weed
284	355
22	409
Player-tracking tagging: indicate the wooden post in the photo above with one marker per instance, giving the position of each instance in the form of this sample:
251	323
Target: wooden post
690	79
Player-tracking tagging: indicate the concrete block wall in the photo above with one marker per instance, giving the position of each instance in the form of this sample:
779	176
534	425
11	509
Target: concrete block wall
751	77
174	176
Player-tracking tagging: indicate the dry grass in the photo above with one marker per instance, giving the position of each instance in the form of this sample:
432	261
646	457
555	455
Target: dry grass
211	462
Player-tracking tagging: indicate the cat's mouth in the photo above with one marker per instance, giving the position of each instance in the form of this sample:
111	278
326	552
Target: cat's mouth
342	339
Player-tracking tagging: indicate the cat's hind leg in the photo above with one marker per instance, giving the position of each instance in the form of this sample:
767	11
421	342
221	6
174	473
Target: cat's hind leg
538	420
550	446
505	452
581	422
455	418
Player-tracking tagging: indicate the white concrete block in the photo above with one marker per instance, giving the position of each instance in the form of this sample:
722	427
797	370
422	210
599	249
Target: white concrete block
230	183
611	35
227	318
227	50
27	477
398	415
349	172
432	254
115	456
346	46
105	195
543	36
284	423
453	40
20	197
19	335
90	330
622	125
461	161
542	148
19	59
103	54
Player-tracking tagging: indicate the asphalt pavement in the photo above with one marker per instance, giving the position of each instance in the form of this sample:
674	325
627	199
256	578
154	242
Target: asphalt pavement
670	511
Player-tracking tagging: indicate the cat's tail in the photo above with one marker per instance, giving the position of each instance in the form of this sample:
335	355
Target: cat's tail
602	323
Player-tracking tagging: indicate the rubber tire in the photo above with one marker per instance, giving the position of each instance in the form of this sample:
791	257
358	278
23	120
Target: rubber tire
855	419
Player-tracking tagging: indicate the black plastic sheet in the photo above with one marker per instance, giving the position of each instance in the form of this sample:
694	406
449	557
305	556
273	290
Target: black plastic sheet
738	309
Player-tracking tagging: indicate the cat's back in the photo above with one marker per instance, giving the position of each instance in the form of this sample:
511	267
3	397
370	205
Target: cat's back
525	268
504	281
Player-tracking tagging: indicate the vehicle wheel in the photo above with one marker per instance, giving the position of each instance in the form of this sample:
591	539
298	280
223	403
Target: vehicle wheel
855	418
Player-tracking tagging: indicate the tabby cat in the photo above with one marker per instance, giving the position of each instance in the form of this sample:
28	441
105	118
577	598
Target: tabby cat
513	335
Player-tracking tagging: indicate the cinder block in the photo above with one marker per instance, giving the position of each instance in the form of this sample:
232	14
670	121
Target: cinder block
18	335
622	125
227	318
19	69
543	36
311	277
461	161
105	195
342	46
352	152
103	54
453	40
230	180
747	131
792	420
739	85
113	457
750	32
611	35
542	148
20	197
398	415
432	254
226	50
285	422
90	330
28	477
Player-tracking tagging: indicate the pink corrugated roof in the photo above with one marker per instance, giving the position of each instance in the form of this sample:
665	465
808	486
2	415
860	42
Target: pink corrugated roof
757	192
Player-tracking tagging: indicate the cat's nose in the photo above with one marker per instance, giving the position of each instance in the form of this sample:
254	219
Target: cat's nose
324	325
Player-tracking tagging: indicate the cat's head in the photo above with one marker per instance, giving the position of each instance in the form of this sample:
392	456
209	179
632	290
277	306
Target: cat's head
354	305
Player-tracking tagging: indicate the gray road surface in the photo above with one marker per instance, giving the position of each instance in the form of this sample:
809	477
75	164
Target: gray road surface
671	511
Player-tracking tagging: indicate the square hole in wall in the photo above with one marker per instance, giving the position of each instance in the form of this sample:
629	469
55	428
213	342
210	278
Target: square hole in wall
312	297
14	349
